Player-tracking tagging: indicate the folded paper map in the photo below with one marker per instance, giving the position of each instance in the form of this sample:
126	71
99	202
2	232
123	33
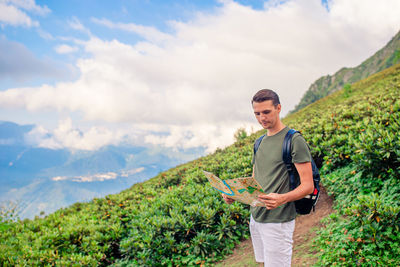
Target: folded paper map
245	189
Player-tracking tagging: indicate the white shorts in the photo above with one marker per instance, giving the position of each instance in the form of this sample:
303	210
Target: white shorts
272	242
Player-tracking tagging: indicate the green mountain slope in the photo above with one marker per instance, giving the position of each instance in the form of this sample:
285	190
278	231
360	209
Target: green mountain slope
177	219
384	58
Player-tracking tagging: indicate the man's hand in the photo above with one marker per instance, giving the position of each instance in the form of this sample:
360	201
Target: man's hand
272	200
227	199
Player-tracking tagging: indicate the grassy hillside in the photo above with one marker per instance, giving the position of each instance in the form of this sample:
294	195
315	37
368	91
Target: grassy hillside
355	132
384	58
176	219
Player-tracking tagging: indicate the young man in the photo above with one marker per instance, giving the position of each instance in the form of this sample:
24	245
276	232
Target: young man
272	226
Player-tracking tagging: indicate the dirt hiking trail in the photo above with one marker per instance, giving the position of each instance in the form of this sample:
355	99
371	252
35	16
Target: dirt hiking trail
304	232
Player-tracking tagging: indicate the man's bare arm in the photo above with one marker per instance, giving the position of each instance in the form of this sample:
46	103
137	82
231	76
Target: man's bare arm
274	200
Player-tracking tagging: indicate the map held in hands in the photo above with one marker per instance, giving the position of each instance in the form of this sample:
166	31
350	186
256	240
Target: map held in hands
244	189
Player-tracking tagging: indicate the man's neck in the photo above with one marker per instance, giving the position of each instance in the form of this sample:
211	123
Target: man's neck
278	127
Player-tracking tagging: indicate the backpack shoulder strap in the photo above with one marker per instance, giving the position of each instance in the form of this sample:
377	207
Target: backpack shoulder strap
287	157
287	147
257	143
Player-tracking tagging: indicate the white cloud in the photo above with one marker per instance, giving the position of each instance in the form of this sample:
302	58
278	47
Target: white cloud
11	12
14	16
367	14
45	35
75	24
90	178
66	135
131	172
41	137
29	5
210	136
66	49
149	33
196	84
99	177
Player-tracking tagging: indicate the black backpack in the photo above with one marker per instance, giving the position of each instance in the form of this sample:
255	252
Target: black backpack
304	205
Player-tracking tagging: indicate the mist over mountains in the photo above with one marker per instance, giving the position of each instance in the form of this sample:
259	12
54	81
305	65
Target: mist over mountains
42	179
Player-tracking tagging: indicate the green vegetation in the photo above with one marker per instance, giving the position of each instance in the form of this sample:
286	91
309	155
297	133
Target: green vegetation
8	214
386	57
347	90
359	143
177	219
173	219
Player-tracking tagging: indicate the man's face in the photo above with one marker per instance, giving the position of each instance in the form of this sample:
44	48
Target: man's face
266	113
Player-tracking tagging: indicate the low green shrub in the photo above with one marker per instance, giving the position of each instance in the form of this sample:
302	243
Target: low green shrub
365	234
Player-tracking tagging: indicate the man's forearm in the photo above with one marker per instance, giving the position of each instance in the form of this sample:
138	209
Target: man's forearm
274	200
299	192
306	186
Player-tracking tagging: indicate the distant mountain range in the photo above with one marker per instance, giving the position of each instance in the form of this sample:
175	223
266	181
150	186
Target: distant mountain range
384	58
43	179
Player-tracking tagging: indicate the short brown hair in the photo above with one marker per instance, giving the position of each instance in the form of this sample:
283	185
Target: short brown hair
265	95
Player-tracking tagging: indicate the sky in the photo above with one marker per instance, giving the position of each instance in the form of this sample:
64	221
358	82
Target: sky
179	74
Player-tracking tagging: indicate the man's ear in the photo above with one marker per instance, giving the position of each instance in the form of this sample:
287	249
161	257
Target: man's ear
278	107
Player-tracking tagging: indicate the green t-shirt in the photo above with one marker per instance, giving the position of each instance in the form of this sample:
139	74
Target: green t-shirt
271	173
